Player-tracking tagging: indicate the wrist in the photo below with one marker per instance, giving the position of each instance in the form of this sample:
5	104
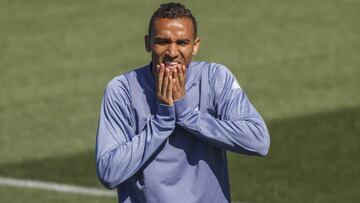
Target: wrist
182	108
165	115
165	110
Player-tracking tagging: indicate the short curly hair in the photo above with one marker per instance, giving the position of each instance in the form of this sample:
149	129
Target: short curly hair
172	10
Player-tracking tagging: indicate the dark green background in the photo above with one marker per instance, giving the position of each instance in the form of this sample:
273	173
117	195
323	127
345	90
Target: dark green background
297	60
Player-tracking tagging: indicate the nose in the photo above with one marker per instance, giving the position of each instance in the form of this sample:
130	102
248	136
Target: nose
172	50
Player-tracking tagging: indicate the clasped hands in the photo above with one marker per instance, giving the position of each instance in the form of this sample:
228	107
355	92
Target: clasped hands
170	83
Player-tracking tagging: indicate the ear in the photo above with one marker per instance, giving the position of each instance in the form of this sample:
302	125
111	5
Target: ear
196	46
147	43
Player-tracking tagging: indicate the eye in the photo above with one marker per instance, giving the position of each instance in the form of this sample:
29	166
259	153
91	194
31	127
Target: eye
182	42
161	41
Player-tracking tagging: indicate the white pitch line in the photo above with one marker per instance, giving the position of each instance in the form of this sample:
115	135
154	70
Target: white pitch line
56	187
66	188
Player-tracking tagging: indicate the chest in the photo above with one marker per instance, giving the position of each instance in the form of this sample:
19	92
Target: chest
144	102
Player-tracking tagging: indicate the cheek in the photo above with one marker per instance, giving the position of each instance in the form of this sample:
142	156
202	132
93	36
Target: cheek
187	53
156	52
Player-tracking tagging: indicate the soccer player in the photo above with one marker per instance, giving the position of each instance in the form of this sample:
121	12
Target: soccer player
164	128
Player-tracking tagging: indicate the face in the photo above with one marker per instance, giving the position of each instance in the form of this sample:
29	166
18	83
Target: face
172	42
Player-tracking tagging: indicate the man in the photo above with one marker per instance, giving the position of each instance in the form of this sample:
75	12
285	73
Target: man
164	128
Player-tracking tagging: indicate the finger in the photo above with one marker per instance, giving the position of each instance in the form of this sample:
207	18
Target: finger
181	76
159	77
157	68
169	91
165	83
184	72
176	78
174	89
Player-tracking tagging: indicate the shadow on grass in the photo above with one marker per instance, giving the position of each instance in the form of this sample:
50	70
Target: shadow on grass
312	158
77	169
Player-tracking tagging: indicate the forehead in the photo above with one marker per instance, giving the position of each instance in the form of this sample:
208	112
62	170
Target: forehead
177	27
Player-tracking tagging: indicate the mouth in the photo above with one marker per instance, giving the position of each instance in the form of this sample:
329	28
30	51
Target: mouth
171	64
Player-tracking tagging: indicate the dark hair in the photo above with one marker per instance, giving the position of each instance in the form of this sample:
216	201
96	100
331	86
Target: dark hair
172	10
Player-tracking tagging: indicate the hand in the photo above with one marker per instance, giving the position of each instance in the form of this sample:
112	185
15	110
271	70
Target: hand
164	85
179	78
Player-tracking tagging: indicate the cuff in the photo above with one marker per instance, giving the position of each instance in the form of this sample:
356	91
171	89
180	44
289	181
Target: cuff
182	108
165	114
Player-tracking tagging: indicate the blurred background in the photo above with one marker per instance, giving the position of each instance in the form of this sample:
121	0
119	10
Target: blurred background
297	60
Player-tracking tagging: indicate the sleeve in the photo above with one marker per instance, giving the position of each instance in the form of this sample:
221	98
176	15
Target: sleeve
120	152
237	127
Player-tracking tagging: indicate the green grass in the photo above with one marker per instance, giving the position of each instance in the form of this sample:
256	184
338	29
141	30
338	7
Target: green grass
298	61
20	195
312	159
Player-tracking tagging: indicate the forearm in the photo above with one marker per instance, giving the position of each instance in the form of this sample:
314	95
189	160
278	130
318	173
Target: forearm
247	135
118	161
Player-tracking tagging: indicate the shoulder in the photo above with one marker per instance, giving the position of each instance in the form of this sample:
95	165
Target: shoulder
216	72
117	91
221	78
213	69
219	72
123	82
118	83
119	87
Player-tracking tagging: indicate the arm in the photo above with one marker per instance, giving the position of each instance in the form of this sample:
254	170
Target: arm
237	127
120	152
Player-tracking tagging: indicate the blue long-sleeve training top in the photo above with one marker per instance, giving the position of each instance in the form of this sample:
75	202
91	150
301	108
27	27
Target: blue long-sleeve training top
158	153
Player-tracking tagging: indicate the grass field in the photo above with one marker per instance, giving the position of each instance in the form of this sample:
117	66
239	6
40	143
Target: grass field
299	62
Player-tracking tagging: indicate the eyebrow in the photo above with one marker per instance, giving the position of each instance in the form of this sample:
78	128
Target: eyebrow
168	40
183	40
